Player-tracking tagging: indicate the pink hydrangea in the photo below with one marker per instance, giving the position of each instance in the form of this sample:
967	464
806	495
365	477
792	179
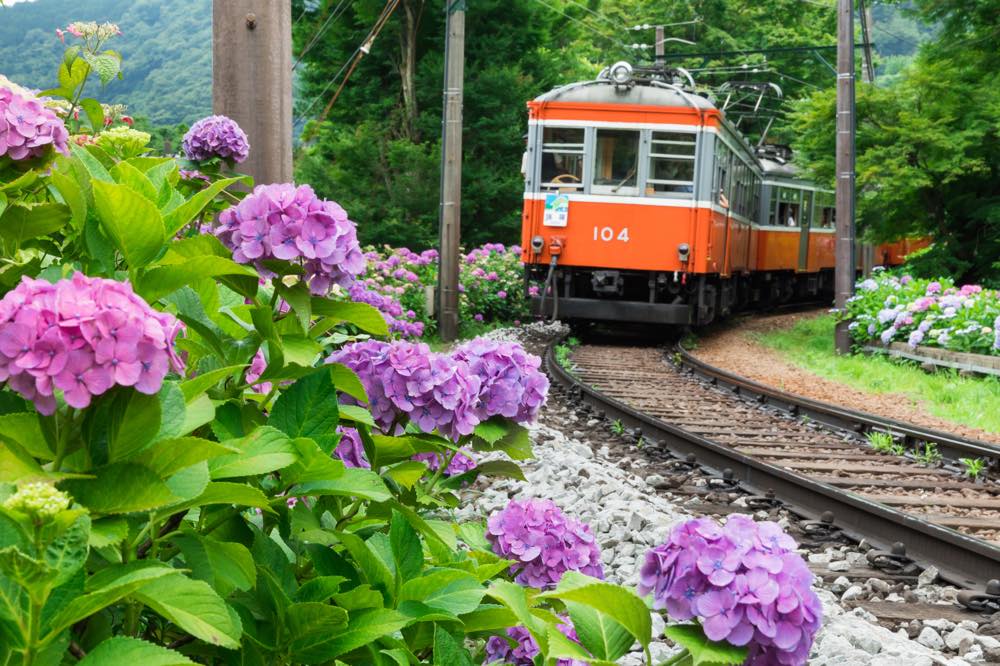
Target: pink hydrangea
289	223
82	336
350	449
28	128
216	136
406	381
743	582
543	542
524	648
512	384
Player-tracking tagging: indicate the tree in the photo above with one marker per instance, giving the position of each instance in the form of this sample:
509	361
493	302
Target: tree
928	147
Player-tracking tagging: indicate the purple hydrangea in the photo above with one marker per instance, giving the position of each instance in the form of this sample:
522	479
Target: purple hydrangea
82	336
512	385
28	128
398	321
407	381
291	223
743	582
524	648
350	449
257	367
461	463
216	136
544	542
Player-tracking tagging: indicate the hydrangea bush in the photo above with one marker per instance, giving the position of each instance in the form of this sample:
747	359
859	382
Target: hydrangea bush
216	137
933	313
742	582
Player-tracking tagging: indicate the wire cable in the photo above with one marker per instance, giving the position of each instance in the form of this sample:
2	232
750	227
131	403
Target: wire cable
319	33
585	25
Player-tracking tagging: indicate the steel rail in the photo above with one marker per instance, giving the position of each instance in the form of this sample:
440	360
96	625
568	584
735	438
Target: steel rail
963	560
951	447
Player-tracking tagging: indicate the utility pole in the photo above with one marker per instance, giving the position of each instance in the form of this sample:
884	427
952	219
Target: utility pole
845	267
868	76
451	170
252	80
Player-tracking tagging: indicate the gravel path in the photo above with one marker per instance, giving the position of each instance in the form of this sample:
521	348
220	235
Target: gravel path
628	517
734	349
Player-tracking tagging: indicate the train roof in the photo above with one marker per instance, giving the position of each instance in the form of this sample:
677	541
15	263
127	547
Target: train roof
603	91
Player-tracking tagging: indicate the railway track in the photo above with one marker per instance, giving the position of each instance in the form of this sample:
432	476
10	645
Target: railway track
810	456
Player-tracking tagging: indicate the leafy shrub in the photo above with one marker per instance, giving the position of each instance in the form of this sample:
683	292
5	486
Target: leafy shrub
933	313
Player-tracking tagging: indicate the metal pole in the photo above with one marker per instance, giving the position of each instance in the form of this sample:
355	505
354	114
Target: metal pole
868	76
845	269
451	171
252	80
658	46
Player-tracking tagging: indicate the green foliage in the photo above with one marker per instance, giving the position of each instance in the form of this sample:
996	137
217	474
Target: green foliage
564	353
169	63
700	650
974	467
880	441
928	454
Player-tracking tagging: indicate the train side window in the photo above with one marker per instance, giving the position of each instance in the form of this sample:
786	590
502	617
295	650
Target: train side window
789	208
562	159
671	164
616	162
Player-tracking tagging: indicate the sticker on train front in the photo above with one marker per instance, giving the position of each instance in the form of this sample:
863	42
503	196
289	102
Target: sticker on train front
556	210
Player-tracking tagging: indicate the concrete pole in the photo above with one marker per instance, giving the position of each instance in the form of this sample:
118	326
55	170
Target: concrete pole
658	46
451	171
846	266
252	80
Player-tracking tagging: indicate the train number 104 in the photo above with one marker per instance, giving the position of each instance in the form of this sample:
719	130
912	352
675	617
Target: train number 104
607	234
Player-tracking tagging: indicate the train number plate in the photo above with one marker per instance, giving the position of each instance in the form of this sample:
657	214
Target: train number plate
609	234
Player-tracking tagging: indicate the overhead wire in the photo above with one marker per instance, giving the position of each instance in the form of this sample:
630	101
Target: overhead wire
340	9
585	25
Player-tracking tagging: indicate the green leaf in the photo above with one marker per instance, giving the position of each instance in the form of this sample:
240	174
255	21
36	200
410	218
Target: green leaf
347	380
72	194
447	650
23	429
221	492
108	586
107	65
131	221
364	627
515	443
703	651
16	464
493	430
361	315
24	222
356	413
488	617
621	605
136	422
187	211
515	599
602	636
224	565
376	572
67	552
311	628
194	607
109	531
499	468
262	451
206	380
91	164
353	482
299	298
308	408
161	280
137	180
406	473
32	574
95	114
450	590
120	488
169	456
407	552
125	650
319	589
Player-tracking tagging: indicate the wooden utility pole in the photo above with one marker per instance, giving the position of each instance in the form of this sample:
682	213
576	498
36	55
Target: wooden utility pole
451	170
845	269
252	80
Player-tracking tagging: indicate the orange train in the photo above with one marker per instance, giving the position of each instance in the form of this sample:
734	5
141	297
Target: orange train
644	203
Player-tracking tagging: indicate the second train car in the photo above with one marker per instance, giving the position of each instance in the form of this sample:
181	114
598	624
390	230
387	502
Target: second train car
644	203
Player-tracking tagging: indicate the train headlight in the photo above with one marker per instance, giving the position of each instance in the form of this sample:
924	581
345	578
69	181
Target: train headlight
683	252
537	243
621	73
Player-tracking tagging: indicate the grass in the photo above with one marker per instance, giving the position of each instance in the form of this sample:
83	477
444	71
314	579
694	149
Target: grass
969	401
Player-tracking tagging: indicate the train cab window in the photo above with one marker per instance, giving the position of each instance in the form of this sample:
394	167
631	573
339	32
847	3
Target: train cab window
562	159
616	162
789	207
671	164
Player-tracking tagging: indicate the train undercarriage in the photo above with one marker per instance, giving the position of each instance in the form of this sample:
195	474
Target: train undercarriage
667	298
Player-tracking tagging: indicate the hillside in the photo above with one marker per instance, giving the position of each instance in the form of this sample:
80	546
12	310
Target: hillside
166	47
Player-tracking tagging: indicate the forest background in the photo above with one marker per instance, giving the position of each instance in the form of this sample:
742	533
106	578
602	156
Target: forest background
928	132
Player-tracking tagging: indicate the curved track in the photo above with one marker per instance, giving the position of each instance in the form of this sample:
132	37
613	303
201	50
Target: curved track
808	454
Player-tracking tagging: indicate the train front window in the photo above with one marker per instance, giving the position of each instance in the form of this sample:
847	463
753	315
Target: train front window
671	164
616	163
562	159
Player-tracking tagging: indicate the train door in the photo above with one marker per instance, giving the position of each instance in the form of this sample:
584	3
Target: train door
805	214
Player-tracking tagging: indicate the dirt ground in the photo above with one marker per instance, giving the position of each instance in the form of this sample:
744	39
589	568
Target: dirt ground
734	350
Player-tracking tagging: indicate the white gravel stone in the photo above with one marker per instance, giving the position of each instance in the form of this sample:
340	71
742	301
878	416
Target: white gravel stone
955	637
927	576
840	565
614	502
